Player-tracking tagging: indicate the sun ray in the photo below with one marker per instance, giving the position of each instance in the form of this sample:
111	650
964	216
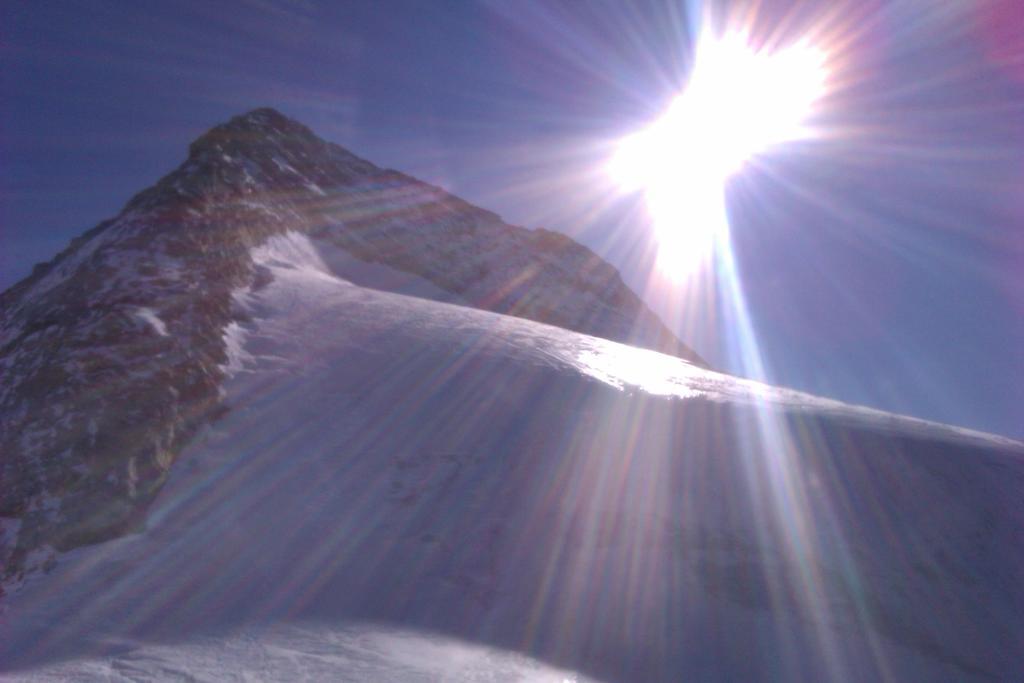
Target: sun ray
740	102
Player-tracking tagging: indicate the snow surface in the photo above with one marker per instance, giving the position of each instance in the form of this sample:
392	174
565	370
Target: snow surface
406	489
355	654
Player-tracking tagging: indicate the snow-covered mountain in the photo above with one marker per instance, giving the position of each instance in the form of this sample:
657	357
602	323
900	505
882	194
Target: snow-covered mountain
335	469
112	354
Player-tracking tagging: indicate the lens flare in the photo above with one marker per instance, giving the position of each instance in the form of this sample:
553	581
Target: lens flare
739	102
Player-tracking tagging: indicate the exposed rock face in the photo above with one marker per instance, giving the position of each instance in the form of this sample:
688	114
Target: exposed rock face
113	353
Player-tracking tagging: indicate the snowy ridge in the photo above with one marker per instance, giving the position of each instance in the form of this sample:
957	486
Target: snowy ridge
296	256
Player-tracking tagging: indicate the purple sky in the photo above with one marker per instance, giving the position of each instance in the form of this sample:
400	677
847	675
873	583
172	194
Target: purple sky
883	265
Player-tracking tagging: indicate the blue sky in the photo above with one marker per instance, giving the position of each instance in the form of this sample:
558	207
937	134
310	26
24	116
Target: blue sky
881	265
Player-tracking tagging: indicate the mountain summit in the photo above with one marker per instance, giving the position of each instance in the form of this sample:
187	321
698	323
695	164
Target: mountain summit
114	352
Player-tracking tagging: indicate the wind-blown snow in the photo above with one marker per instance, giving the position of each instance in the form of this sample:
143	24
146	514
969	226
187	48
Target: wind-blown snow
390	462
234	343
149	316
307	653
296	251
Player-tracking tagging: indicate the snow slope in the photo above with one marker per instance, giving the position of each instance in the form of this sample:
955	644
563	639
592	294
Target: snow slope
404	489
349	654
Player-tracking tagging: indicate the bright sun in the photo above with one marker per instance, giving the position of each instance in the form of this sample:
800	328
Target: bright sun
739	102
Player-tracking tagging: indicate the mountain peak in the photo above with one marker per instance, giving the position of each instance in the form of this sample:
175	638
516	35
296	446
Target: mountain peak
251	127
265	145
265	116
132	324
